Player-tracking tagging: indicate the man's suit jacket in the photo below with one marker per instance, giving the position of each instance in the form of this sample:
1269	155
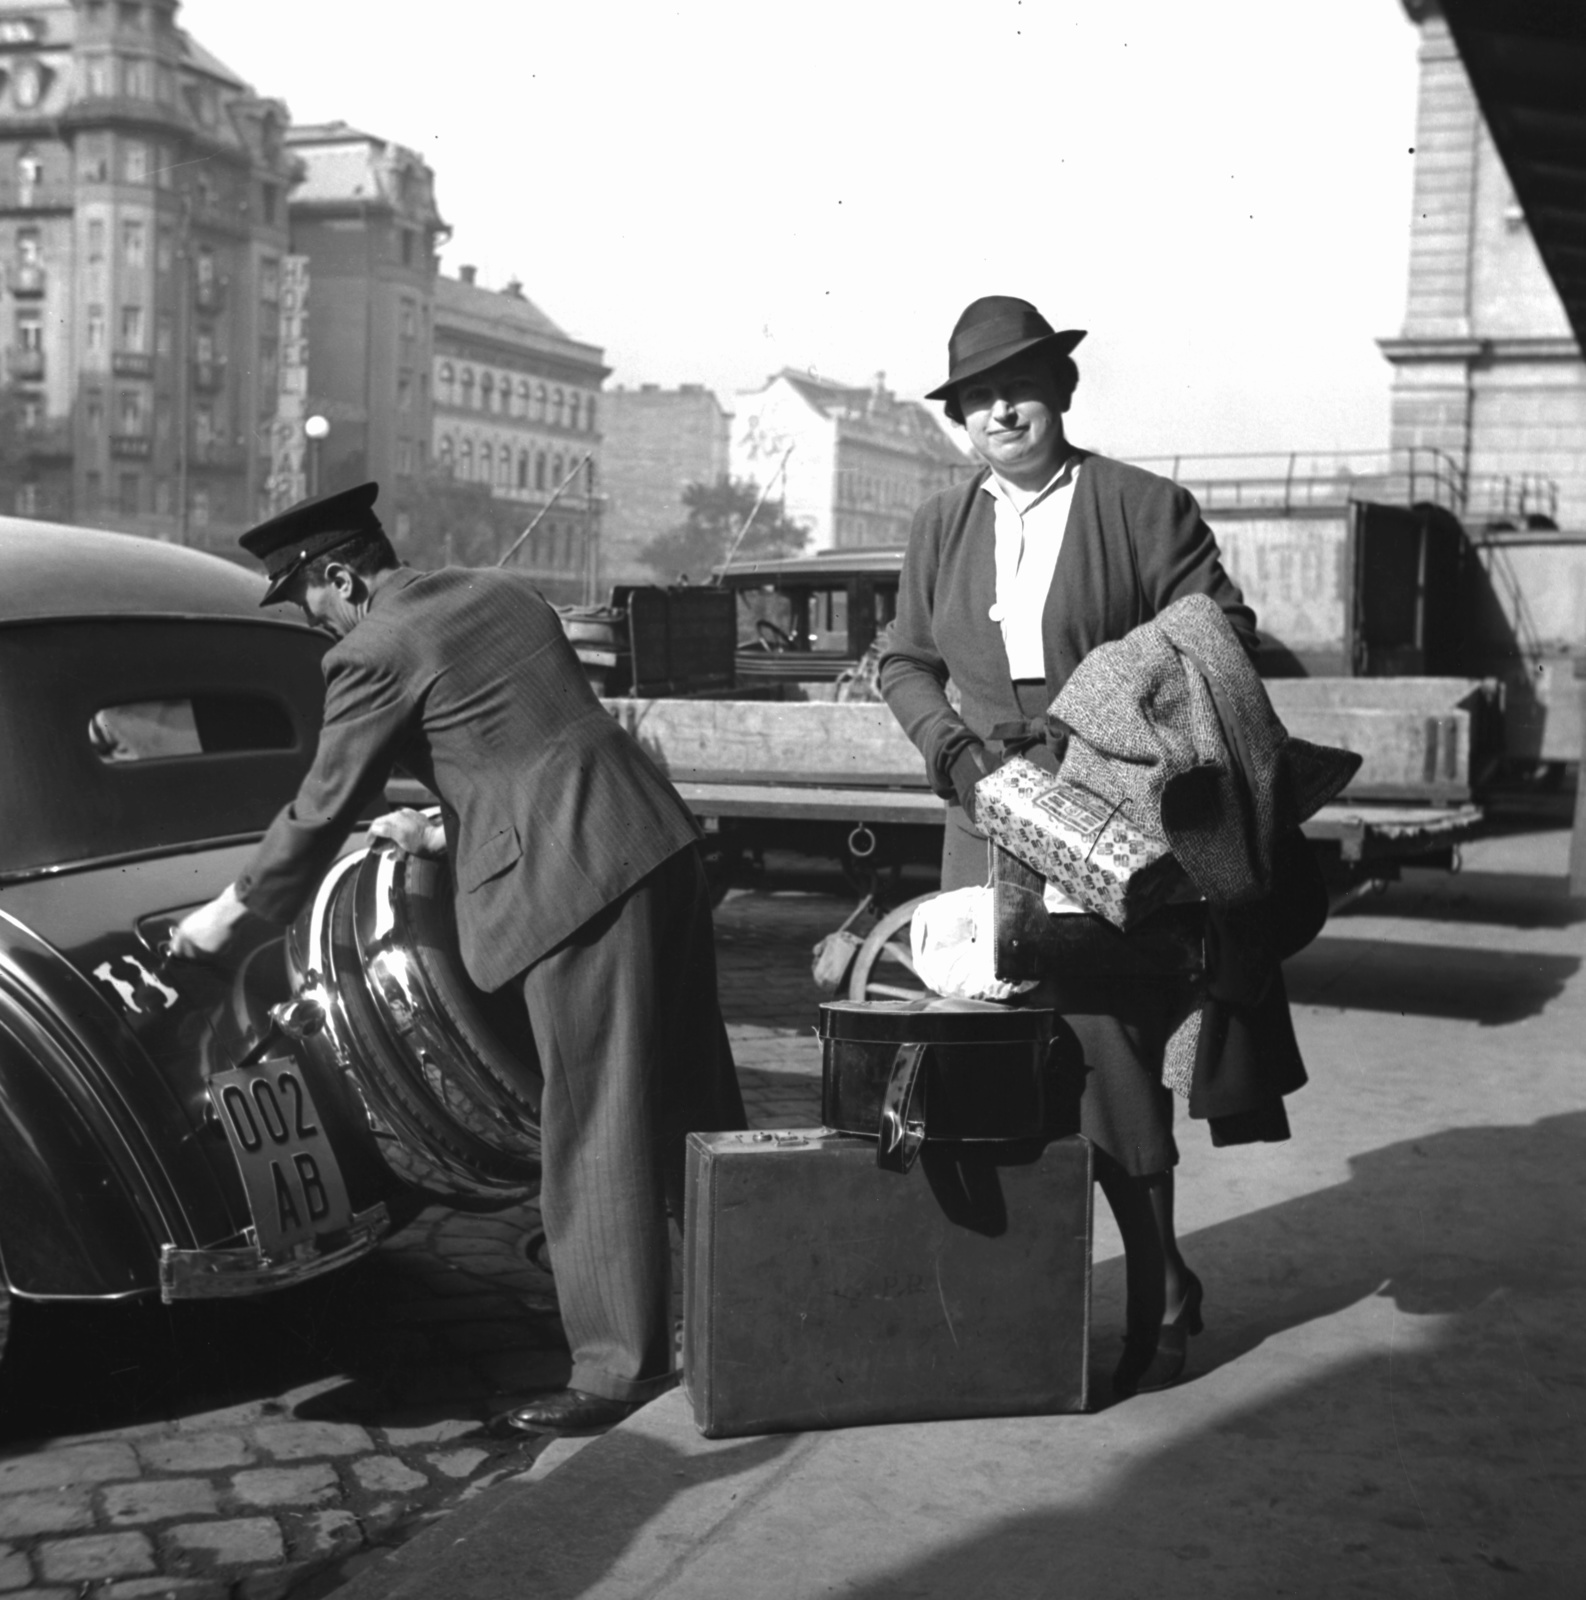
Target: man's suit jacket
1133	544
552	811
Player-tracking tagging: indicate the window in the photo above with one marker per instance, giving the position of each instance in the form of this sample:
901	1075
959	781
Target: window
96	328
30	329
523	469
446	380
138	80
269	199
409	321
575	405
93	491
404	457
404	391
129	411
128	493
523	397
467	396
485	460
465	460
200	725
97	76
205	269
539	470
198	508
504	468
162	497
539	403
557	406
94	416
132	327
162	334
96	239
407	246
487	391
133	239
163	250
444	454
589	414
203	425
556	471
135	161
29	251
30	170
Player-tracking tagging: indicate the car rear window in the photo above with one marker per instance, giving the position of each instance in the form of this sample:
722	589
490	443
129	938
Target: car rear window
197	725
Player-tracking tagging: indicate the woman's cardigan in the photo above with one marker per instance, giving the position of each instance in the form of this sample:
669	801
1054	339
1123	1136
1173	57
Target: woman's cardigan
1133	544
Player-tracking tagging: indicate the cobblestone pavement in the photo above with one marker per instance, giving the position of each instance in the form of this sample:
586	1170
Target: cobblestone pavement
268	1448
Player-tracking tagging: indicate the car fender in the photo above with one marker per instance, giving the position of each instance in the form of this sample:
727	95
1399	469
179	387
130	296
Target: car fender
74	1219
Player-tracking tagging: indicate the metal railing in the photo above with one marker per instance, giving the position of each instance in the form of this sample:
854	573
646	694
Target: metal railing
1298	480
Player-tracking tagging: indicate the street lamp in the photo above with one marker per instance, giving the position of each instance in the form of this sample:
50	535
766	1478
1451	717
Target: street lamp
315	428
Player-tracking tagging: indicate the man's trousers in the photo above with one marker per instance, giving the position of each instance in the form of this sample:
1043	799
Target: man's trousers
635	1056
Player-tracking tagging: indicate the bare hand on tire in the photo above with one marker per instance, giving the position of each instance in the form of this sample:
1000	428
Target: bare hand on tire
410	831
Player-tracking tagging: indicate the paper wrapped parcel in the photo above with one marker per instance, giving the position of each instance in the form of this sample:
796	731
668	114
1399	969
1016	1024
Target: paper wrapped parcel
1089	847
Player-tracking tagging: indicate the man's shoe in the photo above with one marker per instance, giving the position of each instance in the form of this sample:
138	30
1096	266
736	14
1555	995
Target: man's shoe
564	1411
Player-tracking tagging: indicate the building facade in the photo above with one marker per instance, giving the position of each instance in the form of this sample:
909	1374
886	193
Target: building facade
364	229
1485	368
517	420
853	463
143	223
657	442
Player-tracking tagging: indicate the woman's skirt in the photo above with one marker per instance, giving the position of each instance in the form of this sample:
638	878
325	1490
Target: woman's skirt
1108	1043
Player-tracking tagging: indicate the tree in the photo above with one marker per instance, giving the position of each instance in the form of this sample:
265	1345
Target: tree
716	511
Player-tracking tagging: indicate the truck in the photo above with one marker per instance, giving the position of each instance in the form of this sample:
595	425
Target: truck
1435	631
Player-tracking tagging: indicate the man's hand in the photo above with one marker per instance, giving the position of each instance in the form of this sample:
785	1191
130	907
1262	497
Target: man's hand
210	930
410	831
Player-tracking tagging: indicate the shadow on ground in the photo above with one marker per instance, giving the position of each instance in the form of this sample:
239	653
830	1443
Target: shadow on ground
1466	983
1434	1448
441	1321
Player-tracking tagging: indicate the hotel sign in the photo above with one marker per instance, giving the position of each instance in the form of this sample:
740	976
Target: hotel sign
288	444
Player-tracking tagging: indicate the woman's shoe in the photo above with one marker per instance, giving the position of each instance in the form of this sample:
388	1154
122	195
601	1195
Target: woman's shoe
1156	1360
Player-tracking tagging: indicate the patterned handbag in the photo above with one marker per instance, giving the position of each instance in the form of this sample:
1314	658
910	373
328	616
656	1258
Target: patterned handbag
1089	847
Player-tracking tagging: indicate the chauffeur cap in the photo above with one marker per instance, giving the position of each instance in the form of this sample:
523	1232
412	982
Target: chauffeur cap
994	329
288	542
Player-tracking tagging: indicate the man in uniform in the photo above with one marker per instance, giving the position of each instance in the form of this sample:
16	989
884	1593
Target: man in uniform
577	877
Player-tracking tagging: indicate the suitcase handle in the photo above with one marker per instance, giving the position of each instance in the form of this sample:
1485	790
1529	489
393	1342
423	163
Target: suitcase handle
903	1111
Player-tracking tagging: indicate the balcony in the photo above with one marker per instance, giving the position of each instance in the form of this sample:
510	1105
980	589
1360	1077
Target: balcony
27	281
16	196
50	440
25	363
130	446
132	364
210	295
209	375
213	453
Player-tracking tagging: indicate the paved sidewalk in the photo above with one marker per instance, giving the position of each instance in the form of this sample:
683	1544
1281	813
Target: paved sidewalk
1387	1400
248	1450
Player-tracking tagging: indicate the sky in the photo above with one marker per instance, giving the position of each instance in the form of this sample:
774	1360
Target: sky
712	190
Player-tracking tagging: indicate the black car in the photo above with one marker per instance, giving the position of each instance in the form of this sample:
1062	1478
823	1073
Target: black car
810	619
191	1130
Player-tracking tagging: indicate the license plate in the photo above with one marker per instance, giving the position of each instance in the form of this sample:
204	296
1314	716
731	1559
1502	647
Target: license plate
294	1183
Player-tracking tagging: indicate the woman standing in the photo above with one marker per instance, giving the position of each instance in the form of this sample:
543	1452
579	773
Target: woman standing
1009	581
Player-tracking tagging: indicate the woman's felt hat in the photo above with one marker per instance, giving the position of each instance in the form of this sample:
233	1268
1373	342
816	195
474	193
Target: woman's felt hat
994	329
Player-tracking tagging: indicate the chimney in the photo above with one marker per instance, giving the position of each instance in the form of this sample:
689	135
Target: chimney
514	289
468	274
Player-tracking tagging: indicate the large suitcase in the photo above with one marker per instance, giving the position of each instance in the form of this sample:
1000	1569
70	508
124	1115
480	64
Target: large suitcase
821	1293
